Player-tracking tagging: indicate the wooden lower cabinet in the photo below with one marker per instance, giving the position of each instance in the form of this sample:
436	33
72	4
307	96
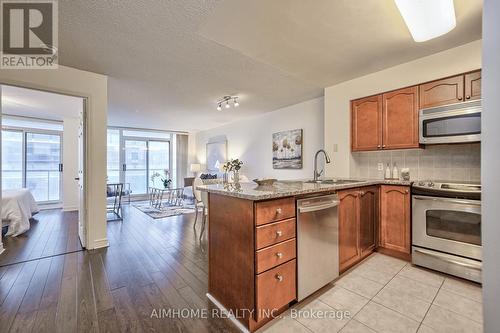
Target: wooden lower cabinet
358	217
348	229
368	219
395	223
252	256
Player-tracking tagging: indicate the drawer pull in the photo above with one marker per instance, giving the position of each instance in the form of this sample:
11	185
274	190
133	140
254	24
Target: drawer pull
279	233
278	211
279	255
279	277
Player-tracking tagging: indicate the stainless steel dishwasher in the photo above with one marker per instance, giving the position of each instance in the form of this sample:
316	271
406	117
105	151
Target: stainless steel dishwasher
317	243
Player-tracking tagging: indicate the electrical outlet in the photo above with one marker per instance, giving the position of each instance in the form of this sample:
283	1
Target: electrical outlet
380	167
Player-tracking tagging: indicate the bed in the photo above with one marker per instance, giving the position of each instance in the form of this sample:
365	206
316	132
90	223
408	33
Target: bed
18	206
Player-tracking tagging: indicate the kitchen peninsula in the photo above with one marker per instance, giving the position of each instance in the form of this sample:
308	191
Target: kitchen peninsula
254	256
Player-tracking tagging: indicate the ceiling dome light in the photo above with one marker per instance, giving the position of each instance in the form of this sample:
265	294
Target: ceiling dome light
427	19
227	105
236	104
219	107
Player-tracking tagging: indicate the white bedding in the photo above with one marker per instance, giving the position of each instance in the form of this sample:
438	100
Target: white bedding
18	206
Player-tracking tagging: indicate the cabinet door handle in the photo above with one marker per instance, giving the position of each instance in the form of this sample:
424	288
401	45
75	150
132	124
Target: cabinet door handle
378	146
278	211
279	277
383	146
460	98
279	233
279	255
467	97
362	193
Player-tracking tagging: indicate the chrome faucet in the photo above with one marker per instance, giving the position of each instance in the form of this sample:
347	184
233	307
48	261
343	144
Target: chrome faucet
327	160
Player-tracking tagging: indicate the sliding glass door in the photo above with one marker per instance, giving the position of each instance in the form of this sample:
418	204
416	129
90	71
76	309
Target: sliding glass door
43	166
158	161
12	160
143	159
33	160
136	165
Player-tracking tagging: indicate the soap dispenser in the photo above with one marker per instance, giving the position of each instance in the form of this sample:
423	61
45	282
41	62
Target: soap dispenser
387	172
395	172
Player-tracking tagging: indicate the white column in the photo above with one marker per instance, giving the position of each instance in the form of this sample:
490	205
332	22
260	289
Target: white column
490	164
70	162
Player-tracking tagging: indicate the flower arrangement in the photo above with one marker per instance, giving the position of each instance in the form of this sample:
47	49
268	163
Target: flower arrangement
232	165
166	180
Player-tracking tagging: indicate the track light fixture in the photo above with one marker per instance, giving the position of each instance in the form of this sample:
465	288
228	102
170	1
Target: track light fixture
226	101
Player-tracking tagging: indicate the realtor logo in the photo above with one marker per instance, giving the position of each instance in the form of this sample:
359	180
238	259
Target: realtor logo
29	34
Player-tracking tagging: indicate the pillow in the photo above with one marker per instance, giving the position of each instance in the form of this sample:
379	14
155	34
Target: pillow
208	176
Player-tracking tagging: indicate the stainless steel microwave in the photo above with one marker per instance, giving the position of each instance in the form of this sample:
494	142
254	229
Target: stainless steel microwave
454	123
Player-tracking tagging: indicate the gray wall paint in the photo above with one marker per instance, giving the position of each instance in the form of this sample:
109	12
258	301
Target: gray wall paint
491	164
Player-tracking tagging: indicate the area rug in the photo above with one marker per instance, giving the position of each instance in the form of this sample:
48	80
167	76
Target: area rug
164	211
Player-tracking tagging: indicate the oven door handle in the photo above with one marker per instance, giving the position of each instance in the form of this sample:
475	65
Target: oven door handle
451	261
449	200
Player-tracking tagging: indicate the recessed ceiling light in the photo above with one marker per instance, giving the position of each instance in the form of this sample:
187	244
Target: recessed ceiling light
427	19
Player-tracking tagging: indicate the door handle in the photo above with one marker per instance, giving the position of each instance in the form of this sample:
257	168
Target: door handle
77	178
307	209
451	261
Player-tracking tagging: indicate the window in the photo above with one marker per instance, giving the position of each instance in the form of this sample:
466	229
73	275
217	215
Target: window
43	162
32	159
12	160
113	156
136	156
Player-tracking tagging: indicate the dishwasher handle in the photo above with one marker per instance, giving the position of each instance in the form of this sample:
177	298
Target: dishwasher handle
315	208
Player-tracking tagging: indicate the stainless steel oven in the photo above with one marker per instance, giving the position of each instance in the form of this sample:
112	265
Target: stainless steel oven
446	228
455	123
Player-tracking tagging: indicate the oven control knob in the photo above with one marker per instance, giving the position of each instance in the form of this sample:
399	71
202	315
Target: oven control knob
431	184
421	183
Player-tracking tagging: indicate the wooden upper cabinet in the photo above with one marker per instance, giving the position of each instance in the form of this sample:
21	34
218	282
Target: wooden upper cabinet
395	224
473	86
348	228
442	92
400	119
368	219
366	123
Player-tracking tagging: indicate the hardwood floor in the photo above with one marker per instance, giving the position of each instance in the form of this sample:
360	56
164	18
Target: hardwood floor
52	232
151	265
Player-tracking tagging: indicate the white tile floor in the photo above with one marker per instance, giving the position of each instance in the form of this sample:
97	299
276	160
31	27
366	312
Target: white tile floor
384	294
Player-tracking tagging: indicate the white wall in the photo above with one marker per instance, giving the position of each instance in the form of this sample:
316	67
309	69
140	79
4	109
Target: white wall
337	111
75	82
70	162
491	165
251	139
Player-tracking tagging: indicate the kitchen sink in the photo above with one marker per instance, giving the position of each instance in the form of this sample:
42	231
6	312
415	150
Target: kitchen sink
335	181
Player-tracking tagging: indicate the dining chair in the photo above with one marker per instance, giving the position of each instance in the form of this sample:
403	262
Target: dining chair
199	204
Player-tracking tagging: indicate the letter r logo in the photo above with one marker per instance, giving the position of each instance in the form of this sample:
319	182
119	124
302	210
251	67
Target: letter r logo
27	27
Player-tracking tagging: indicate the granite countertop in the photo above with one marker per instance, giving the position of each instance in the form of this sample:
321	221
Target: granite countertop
286	188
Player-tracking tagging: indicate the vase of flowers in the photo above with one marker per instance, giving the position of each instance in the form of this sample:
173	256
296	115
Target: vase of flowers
233	166
165	179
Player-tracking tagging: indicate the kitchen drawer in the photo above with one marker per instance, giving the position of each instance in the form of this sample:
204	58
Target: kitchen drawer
273	233
275	255
275	289
274	210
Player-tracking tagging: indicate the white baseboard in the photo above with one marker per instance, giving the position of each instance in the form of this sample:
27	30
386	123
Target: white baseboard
231	317
100	243
70	208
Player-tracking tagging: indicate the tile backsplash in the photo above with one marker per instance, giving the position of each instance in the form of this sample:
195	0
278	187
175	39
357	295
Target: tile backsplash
461	162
